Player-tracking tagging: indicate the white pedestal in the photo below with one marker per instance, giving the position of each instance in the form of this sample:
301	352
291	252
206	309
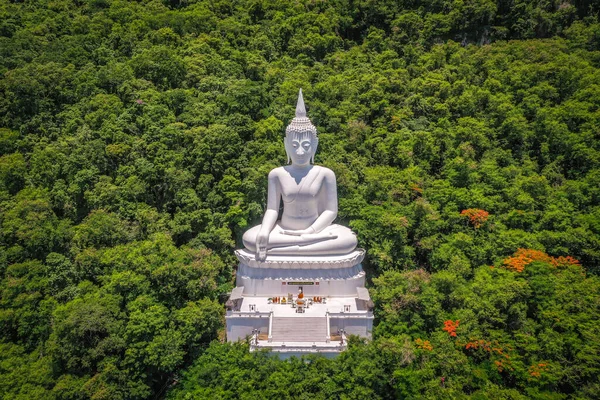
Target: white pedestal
331	276
338	280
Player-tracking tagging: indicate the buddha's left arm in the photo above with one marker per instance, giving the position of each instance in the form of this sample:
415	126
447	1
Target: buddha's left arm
329	197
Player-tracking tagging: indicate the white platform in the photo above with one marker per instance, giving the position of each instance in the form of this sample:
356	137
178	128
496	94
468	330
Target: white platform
298	333
301	262
318	275
338	280
333	305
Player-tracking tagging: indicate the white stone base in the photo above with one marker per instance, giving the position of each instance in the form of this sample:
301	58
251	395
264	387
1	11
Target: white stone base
301	262
334	276
336	303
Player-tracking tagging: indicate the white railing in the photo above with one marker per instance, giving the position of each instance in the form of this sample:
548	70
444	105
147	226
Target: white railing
351	315
283	348
328	337
247	314
270	337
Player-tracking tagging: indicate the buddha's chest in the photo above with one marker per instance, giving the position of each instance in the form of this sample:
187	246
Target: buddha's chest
305	191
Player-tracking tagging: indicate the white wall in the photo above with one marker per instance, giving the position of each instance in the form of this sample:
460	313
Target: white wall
268	281
238	328
353	326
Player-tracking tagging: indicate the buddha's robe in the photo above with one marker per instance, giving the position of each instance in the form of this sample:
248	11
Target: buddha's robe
309	203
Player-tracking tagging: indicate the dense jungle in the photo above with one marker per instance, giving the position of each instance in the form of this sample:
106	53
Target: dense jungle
135	142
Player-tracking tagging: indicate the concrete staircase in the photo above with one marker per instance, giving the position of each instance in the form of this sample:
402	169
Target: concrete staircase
305	329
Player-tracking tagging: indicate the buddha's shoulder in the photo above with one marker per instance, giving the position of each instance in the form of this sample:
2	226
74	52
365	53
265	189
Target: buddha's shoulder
324	171
276	172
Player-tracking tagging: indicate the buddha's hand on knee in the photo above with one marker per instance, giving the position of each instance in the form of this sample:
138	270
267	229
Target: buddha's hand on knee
262	240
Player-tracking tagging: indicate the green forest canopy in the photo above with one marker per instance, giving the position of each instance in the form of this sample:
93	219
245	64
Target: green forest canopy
135	142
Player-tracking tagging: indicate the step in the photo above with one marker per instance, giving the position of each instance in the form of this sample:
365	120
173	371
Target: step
295	329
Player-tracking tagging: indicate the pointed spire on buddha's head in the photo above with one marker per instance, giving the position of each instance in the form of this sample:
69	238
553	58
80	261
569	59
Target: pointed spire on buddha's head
300	109
301	126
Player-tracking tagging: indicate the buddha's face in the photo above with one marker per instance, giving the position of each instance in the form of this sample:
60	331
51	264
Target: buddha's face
300	148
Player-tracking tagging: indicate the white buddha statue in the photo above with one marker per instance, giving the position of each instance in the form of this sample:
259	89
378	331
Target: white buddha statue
309	195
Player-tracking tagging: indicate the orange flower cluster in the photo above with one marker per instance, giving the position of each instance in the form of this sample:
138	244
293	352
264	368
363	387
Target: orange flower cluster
424	344
564	261
524	257
487	346
502	363
477	344
476	216
536	369
450	327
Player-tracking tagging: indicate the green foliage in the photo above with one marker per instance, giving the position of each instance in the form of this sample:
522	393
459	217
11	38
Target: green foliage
135	142
230	372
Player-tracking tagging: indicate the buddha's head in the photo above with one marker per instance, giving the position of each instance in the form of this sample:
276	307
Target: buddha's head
301	139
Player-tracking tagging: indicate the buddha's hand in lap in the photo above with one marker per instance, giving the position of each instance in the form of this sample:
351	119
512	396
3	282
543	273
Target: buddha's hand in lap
299	232
309	235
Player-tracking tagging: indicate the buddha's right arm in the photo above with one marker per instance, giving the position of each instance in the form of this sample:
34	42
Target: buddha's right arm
269	220
273	198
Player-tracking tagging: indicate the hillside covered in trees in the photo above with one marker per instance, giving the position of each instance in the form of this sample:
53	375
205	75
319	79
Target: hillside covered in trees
135	143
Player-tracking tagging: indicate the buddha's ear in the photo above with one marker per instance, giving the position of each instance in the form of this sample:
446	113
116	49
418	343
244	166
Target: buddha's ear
315	146
286	145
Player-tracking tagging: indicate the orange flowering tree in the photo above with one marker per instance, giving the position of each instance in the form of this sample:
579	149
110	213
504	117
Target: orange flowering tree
450	327
536	370
502	360
524	257
423	344
477	217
